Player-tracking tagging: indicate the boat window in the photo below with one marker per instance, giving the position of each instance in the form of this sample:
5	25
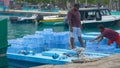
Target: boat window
104	12
98	15
90	15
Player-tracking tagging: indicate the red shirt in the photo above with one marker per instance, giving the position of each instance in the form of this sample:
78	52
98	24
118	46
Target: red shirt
74	18
110	34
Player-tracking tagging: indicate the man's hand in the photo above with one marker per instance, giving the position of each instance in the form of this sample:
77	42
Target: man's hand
96	42
80	27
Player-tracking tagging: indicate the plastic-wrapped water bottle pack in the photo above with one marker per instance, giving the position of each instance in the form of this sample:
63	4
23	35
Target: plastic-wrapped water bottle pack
91	46
16	45
102	47
40	41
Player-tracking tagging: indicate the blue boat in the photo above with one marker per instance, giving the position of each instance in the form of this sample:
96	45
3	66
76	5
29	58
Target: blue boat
33	50
49	57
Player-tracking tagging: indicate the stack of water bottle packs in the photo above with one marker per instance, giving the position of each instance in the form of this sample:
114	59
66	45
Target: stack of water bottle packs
102	47
47	39
40	41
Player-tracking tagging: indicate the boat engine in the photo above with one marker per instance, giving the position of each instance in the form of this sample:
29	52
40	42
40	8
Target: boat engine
39	17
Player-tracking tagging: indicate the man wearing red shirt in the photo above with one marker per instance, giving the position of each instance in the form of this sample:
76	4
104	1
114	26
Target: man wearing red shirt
110	34
75	25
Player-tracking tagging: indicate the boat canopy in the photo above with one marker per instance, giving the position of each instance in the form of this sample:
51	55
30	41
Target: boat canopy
93	13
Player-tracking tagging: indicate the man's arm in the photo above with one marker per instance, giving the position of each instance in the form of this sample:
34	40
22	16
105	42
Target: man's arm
80	25
99	38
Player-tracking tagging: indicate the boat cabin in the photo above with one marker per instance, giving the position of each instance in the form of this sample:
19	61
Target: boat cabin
93	13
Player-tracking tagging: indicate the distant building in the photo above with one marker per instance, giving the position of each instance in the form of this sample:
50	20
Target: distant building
4	2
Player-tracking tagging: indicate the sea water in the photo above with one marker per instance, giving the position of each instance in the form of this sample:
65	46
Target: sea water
115	13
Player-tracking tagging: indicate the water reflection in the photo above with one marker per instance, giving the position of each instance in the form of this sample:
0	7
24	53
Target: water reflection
18	30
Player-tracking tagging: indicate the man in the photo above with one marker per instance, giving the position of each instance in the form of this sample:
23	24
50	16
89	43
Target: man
110	34
75	25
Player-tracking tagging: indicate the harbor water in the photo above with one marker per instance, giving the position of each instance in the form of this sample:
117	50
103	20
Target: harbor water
18	30
115	13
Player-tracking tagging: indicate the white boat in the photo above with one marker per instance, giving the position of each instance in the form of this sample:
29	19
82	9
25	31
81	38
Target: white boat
95	16
50	19
27	18
91	17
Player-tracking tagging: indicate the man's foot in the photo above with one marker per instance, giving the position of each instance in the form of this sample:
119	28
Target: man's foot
83	46
79	49
71	48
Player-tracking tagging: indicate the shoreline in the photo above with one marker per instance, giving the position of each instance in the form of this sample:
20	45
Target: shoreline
107	62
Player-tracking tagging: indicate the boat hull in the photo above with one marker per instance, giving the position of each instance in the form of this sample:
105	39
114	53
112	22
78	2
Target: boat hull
22	64
26	61
37	58
118	22
48	21
95	24
53	23
23	21
86	24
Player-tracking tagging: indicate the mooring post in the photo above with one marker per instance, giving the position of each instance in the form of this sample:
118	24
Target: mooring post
3	43
36	25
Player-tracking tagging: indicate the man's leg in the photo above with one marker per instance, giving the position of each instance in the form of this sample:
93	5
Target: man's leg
79	37
110	42
118	42
72	36
72	43
81	42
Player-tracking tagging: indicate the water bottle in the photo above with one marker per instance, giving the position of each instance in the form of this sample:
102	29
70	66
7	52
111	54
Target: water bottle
48	30
31	48
55	56
104	41
39	33
92	46
31	53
